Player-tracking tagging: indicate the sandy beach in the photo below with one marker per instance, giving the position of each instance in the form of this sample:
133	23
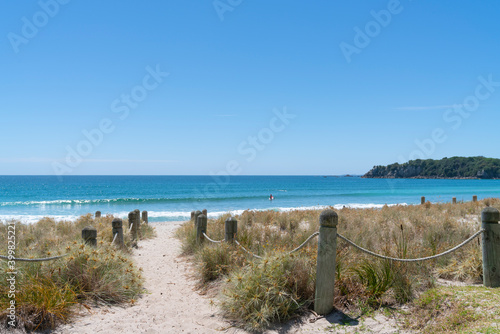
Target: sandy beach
173	305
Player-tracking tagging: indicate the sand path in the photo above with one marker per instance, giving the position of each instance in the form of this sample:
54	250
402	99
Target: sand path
172	304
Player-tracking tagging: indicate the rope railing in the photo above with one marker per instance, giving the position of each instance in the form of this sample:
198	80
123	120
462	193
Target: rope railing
304	243
288	253
32	260
327	250
247	251
357	247
411	260
89	235
211	240
361	248
230	230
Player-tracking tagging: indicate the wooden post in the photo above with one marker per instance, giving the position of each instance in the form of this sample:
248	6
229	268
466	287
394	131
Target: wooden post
474	198
422	200
491	247
117	225
192	215
132	223
201	227
205	212
325	266
195	217
145	217
454	200
138	223
89	236
231	229
97	214
130	218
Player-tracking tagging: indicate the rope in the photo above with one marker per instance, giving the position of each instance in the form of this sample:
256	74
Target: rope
114	238
32	260
259	257
304	243
412	260
214	241
130	228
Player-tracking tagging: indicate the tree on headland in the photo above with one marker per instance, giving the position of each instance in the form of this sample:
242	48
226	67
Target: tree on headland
455	167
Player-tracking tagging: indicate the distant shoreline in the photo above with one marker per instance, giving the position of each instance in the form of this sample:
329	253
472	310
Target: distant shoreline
429	177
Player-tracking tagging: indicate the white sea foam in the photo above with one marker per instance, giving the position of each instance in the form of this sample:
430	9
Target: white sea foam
73	201
185	215
364	206
160	214
30	219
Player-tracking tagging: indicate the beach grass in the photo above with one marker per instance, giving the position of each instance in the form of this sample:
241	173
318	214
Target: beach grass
257	292
46	292
458	309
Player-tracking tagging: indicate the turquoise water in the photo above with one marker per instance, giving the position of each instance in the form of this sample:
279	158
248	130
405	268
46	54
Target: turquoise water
170	198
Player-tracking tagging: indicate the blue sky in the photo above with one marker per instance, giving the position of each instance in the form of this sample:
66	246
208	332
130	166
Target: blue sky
245	87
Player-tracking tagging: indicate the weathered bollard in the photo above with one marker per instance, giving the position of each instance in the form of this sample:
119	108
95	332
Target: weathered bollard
138	222
205	212
89	236
491	247
130	218
474	198
195	217
117	230
192	215
422	200
231	229
325	266
97	214
454	200
132	224
145	217
201	227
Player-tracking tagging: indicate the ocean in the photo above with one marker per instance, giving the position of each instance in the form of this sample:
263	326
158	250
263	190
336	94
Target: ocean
172	198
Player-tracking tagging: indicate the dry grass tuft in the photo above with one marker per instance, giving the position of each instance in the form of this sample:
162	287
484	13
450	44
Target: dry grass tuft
267	291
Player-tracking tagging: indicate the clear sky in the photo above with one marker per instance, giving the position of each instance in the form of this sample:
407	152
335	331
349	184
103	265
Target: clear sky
245	87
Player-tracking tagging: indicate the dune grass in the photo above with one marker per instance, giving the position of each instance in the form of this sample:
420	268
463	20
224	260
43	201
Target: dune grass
255	293
459	309
47	291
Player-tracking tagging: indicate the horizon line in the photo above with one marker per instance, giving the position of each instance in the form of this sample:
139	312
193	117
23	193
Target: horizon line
322	175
